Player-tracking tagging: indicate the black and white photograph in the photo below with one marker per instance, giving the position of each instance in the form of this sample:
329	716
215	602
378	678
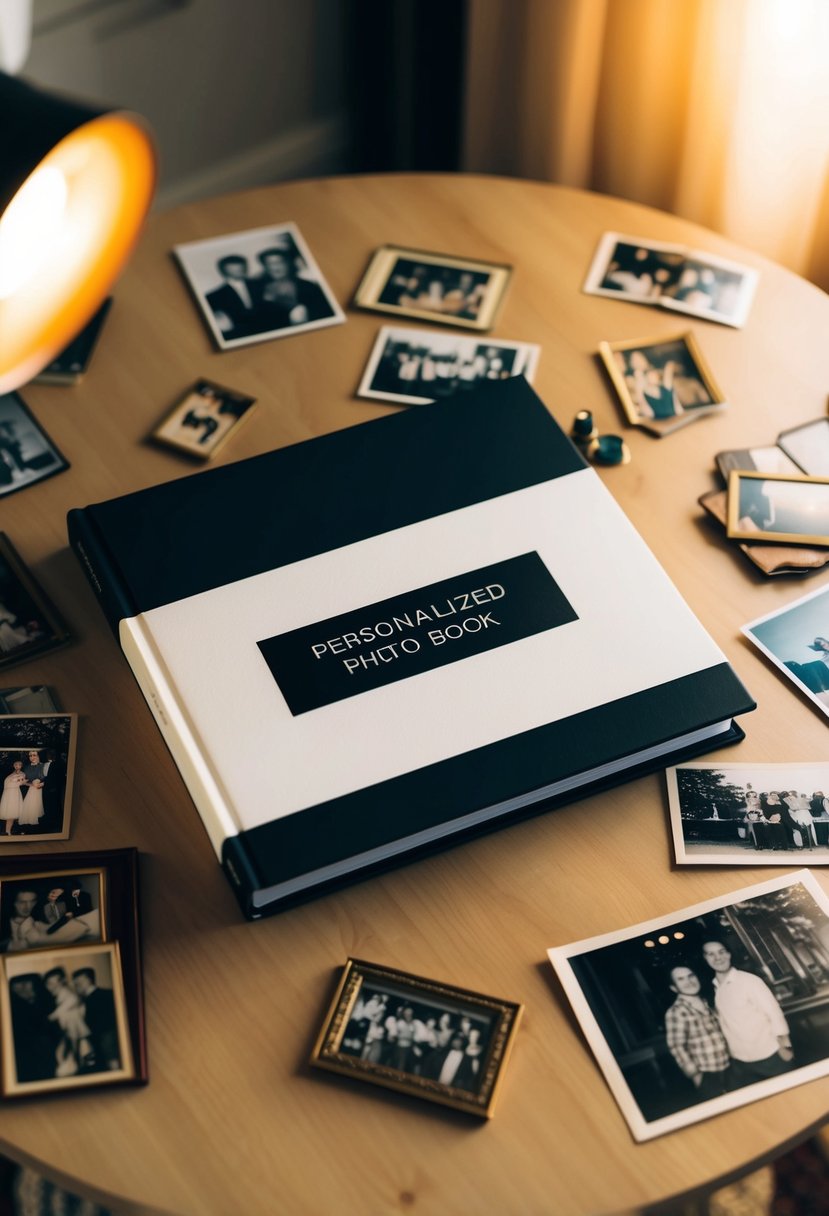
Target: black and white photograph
790	508
662	383
29	623
46	909
749	814
203	419
64	1020
796	639
709	1008
256	285
37	765
31	699
672	276
27	454
414	366
433	287
72	364
418	1036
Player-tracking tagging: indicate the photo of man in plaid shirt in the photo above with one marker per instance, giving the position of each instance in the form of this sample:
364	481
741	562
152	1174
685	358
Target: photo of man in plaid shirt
694	1037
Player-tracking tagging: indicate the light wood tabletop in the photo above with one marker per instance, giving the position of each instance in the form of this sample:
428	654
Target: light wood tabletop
233	1119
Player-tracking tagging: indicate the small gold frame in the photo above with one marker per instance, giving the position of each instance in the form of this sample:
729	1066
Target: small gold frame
692	356
740	523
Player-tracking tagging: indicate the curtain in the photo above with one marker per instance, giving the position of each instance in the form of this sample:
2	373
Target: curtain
716	110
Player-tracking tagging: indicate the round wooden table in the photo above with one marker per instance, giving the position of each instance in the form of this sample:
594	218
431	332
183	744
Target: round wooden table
233	1119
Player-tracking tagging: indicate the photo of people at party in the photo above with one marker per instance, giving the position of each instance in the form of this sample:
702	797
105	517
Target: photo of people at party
453	291
37	760
796	639
663	384
711	1008
46	909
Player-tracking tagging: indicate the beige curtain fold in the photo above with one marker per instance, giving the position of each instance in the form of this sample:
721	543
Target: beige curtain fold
717	110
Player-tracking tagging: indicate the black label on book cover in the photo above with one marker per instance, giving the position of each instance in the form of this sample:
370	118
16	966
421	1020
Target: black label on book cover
417	632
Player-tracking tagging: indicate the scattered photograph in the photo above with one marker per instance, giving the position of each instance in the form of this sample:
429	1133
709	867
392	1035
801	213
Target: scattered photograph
787	507
64	1021
37	764
414	366
72	364
672	276
770	558
808	446
771	459
49	908
34	699
663	383
796	639
256	285
433	287
29	623
431	1040
27	454
203	419
709	1008
749	814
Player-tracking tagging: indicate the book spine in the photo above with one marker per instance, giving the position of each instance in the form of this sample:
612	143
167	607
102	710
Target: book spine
100	569
241	875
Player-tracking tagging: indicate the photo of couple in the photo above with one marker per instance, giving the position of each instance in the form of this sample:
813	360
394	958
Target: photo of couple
36	757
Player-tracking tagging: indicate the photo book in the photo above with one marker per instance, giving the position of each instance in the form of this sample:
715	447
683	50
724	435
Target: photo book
396	635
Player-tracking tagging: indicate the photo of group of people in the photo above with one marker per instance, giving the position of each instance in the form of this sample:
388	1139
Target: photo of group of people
749	814
201	420
662	384
37	758
452	291
703	1011
413	366
796	639
27	454
28	622
681	279
47	909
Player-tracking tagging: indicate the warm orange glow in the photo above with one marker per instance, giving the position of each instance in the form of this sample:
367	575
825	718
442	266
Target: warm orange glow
67	233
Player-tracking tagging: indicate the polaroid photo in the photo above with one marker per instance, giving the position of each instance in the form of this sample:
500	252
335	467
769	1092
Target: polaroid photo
34	699
785	507
64	1023
430	1040
662	383
807	446
672	276
256	285
796	639
29	623
433	287
37	768
72	364
27	454
709	1008
749	814
203	419
48	908
416	366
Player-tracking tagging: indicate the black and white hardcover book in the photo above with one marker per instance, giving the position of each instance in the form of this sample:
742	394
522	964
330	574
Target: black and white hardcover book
399	634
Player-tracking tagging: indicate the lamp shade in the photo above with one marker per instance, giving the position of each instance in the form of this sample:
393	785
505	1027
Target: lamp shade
76	183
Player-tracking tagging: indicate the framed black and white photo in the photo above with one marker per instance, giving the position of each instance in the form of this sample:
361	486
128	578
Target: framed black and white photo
413	366
203	419
27	454
709	1008
663	383
37	768
256	285
431	1040
433	287
796	639
749	814
64	1023
46	908
787	507
672	276
29	623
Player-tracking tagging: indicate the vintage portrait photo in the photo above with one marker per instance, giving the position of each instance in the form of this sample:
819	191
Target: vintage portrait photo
787	507
413	366
807	446
29	623
710	1008
256	285
662	383
37	764
750	814
64	1020
796	639
433	287
672	276
27	454
49	908
203	419
431	1040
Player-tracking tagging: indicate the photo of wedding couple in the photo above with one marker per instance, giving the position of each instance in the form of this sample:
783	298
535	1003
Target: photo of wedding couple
36	766
44	910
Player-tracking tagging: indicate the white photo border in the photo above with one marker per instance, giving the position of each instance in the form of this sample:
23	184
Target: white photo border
749	631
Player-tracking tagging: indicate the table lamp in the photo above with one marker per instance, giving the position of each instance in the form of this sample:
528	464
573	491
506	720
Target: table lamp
76	182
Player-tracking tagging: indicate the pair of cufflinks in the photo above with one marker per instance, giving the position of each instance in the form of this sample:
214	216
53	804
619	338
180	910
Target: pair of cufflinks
599	449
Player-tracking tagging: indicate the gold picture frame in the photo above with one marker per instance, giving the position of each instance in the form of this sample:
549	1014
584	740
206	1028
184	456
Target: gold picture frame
417	1036
667	387
433	287
788	517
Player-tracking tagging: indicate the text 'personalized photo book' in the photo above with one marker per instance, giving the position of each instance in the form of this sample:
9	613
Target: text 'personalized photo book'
398	634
